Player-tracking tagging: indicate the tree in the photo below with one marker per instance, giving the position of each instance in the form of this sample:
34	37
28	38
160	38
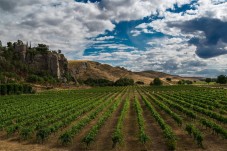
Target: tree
208	80
0	43
42	48
156	82
221	79
124	82
168	79
19	42
9	44
140	82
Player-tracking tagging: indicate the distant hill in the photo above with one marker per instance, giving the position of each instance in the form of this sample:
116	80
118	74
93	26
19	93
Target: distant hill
84	69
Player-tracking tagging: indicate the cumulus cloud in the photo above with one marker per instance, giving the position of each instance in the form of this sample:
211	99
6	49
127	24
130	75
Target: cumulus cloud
65	25
73	26
213	39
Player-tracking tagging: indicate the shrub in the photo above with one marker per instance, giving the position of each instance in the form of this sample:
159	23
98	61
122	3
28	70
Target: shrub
3	89
222	79
140	82
156	82
98	82
168	79
124	82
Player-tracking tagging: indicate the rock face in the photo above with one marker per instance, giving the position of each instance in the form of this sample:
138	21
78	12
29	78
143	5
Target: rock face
49	62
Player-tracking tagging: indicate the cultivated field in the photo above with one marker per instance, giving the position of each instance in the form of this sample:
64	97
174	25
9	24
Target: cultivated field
116	118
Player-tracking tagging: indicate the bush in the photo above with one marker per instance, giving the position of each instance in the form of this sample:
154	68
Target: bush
156	82
124	82
222	79
184	82
168	79
140	82
15	89
98	82
32	79
3	89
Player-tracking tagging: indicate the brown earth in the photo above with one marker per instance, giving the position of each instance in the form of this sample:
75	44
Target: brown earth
83	69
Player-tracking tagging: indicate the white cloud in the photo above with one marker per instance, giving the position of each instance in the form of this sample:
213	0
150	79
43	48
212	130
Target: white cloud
105	38
67	24
73	26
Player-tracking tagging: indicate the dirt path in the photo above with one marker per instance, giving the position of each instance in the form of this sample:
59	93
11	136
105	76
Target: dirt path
15	146
131	129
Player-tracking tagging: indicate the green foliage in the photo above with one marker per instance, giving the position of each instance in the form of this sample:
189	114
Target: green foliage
98	82
41	79
34	79
208	80
167	130
168	79
8	89
140	82
117	136
90	137
124	82
26	133
156	82
42	48
222	79
184	82
197	135
143	137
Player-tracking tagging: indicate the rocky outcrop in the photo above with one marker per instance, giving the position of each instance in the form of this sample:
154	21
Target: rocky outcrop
53	63
41	60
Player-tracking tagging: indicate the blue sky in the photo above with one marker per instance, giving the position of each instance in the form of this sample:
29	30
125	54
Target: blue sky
183	37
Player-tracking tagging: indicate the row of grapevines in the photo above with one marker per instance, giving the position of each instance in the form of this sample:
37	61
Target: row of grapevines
30	124
168	132
67	137
30	104
178	107
209	103
27	131
143	137
192	130
196	133
44	133
215	127
117	136
30	113
206	112
90	136
176	117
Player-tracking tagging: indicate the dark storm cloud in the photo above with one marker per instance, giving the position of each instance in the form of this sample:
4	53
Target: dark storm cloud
193	63
7	5
170	65
213	42
11	5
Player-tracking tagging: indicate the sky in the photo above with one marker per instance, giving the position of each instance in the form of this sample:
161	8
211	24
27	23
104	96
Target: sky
180	37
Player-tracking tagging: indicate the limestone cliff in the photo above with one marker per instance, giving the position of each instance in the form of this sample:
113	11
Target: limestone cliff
25	60
54	63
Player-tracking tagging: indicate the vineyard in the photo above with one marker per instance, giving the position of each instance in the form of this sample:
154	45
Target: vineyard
117	118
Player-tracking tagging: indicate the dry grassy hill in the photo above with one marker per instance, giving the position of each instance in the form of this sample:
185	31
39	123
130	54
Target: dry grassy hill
84	69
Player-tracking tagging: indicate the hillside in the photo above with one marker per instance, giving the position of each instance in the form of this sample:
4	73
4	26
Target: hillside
84	69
